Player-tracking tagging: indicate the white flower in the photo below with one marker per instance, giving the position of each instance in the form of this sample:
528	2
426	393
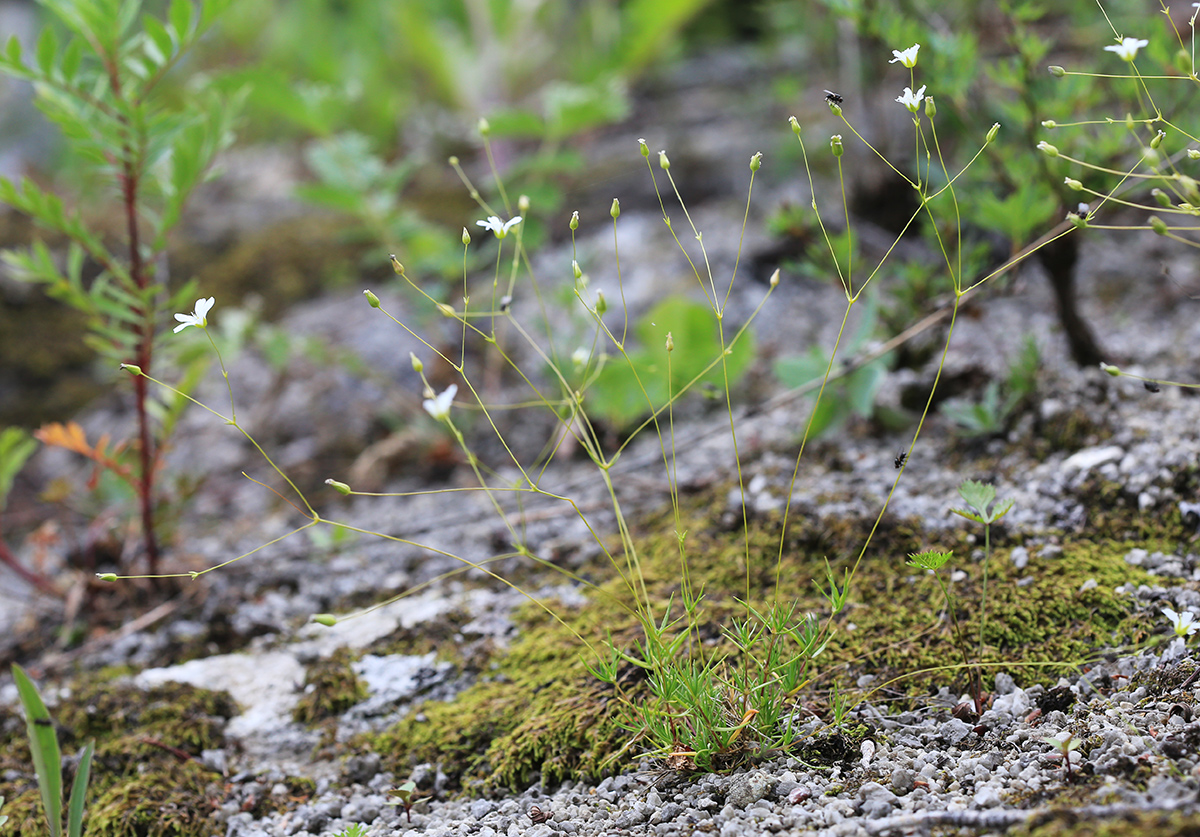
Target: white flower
439	406
580	357
912	100
197	319
906	57
500	228
1185	623
1127	49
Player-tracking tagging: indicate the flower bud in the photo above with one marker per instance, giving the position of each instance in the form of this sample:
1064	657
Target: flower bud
1156	141
992	131
1183	62
106	576
663	162
372	300
1129	123
396	266
485	127
615	209
1115	371
835	142
775	278
645	149
795	125
1076	221
326	619
1150	156
1049	123
446	310
1190	189
339	487
1056	71
1193	153
453	160
417	365
756	161
576	269
523	204
466	237
1073	184
132	368
1158	225
574	220
601	303
670	342
1047	148
930	107
1162	197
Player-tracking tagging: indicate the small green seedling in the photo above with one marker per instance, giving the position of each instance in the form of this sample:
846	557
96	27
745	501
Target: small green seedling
1065	745
403	795
979	498
356	829
47	761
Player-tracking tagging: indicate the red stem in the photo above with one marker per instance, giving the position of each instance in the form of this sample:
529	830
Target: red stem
36	579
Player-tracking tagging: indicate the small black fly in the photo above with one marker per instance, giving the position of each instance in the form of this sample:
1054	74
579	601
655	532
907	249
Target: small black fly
900	459
1151	386
833	98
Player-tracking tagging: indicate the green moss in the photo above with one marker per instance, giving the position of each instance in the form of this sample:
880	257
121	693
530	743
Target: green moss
1066	823
171	802
330	688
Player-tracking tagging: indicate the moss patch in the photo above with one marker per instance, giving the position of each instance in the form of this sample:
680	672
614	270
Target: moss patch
539	714
1065	822
330	688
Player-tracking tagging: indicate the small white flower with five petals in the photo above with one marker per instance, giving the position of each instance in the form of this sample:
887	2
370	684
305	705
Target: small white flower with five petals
1184	624
912	100
1128	48
500	228
907	57
199	318
439	405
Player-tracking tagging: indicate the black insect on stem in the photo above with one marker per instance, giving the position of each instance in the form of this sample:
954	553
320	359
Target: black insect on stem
833	98
1151	386
900	459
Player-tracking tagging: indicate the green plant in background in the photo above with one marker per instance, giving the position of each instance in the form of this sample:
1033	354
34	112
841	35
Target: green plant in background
849	394
16	446
47	762
979	498
104	89
402	795
992	414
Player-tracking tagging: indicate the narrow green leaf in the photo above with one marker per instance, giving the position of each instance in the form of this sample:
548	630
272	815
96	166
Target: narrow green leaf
79	792
180	16
16	446
43	744
72	58
47	50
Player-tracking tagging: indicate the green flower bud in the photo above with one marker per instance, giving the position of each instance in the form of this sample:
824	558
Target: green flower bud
1183	62
574	220
396	266
930	107
1151	156
453	160
756	161
106	576
1162	197
835	142
670	342
523	204
992	131
1056	71
1190	190
1047	148
326	619
1076	221
372	300
645	149
1115	371
1158	225
1049	123
615	209
601	303
132	368
339	487
1193	153
466	237
1073	184
485	127
417	365
663	162
1129	123
445	309
795	125
576	269
1156	141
